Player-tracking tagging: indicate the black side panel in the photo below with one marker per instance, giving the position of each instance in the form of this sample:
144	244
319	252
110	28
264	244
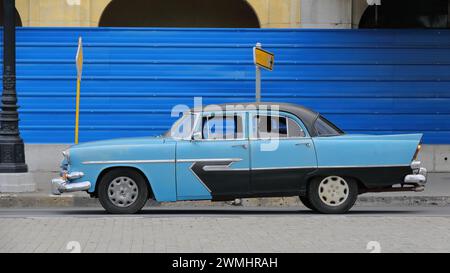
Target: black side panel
223	182
278	180
371	177
230	184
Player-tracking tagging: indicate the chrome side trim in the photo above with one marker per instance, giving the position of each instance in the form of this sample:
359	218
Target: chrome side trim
363	166
285	168
129	161
215	168
163	161
227	167
209	160
196	176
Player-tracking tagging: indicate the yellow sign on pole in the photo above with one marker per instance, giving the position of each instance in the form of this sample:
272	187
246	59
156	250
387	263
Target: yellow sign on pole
264	59
79	58
79	61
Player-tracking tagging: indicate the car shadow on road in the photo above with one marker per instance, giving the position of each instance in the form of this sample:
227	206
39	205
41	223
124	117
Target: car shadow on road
235	212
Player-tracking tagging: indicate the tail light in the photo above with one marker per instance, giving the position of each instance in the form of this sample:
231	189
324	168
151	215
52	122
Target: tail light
416	155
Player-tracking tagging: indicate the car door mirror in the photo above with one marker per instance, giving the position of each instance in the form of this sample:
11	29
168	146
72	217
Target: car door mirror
196	136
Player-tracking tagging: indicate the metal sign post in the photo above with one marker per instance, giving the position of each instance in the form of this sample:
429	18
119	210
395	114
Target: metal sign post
262	59
258	79
79	60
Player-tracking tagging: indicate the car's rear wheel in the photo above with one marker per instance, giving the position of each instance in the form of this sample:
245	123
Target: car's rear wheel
123	191
332	194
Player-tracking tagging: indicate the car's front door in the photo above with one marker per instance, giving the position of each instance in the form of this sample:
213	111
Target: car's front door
281	152
215	164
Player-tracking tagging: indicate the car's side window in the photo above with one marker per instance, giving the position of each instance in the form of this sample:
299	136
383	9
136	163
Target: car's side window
294	129
266	126
220	127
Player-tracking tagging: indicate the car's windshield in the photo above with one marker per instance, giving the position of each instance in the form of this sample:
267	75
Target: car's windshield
324	127
182	128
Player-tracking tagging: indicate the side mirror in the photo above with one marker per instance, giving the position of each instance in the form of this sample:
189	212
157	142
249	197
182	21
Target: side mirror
197	136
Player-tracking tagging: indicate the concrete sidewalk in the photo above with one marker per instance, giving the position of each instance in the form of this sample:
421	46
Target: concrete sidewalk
437	193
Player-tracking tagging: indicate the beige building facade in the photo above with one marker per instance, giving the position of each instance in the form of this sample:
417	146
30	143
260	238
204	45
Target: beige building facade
271	13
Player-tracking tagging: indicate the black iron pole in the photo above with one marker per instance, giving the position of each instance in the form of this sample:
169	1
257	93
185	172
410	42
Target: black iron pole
448	14
376	15
12	155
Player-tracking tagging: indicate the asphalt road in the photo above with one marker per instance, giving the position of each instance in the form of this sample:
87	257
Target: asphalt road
217	230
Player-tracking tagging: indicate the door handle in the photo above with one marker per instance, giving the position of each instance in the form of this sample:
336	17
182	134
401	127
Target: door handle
245	146
307	144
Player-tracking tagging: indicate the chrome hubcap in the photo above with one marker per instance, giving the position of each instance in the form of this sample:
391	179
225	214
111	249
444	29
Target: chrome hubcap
123	192
333	191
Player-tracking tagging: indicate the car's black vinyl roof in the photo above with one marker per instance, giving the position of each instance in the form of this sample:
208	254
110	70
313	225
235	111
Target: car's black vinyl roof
306	115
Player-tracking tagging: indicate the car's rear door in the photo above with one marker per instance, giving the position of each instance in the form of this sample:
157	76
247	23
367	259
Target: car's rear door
281	152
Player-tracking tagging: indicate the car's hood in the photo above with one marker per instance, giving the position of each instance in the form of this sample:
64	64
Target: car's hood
122	141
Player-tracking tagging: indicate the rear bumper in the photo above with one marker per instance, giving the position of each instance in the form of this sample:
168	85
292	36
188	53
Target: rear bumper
418	178
63	184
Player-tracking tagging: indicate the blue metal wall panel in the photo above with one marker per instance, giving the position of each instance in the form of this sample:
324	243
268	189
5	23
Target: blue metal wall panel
366	81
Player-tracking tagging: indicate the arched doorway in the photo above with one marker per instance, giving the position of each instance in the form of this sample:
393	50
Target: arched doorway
179	13
18	19
408	14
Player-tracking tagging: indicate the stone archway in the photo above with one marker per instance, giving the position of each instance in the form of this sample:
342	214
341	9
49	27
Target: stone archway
179	13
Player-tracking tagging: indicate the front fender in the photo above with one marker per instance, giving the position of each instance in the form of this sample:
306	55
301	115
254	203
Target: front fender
155	161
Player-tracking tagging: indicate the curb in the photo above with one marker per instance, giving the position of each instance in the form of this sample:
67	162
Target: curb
66	201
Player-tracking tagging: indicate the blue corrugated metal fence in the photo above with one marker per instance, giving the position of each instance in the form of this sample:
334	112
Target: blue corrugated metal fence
366	81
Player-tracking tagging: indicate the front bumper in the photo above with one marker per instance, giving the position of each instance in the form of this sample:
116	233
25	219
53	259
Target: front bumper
63	184
419	177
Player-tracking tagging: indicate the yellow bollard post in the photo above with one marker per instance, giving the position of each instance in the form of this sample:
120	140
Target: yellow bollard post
77	112
79	62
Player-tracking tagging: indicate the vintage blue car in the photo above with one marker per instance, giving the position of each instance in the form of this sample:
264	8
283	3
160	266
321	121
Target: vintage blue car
233	151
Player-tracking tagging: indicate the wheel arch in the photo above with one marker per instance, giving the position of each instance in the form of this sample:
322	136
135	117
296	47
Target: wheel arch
362	188
133	168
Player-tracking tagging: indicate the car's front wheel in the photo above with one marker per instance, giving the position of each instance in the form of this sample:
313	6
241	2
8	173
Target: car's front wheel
123	191
332	194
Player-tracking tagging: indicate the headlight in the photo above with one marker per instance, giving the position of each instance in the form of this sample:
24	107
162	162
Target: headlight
66	155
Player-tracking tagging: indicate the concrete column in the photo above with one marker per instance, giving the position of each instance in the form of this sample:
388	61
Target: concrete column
56	13
326	14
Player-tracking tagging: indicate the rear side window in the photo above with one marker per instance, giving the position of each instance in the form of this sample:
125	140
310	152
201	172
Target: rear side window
324	127
275	126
